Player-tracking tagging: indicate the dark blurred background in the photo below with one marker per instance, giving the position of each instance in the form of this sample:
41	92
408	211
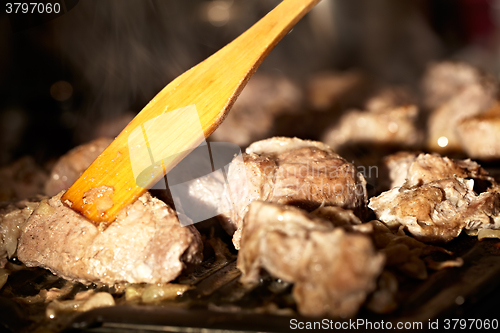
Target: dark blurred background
84	74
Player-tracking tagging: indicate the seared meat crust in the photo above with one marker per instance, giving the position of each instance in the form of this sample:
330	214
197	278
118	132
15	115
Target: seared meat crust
332	270
146	243
438	211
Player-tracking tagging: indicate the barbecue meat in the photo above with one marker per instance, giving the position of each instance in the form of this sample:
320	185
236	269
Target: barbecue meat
332	270
436	197
453	92
395	126
12	218
71	165
395	168
444	80
336	90
146	243
443	121
290	171
480	135
424	168
430	167
390	97
438	210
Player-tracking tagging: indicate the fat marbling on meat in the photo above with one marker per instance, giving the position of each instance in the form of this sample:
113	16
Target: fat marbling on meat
289	171
146	243
332	270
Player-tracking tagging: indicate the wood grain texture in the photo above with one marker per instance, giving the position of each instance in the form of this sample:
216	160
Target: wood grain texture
211	87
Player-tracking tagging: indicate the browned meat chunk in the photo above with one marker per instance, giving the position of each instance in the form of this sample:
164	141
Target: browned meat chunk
253	114
70	166
332	270
438	210
395	126
146	243
424	168
390	97
327	90
444	80
430	167
396	168
12	218
290	171
453	92
480	135
432	199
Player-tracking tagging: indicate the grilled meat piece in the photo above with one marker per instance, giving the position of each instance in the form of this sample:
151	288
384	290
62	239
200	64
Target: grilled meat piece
430	167
395	126
444	80
438	210
480	135
390	97
443	122
332	270
290	171
336	90
436	197
12	218
71	165
424	168
146	243
453	92
395	168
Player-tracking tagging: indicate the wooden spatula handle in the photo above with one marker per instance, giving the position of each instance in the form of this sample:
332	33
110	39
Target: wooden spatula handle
211	87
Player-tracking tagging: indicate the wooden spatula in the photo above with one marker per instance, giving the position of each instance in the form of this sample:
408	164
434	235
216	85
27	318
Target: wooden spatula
178	119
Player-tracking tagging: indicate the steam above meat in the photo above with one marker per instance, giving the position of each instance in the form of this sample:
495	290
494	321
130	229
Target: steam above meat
332	270
146	243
